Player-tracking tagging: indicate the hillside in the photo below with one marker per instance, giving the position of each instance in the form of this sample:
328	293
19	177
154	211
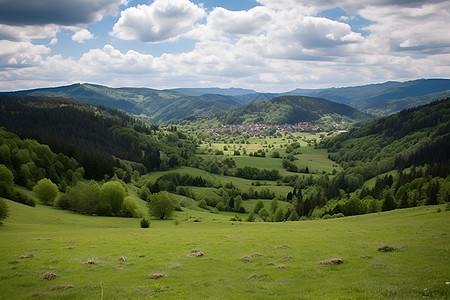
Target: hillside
385	98
99	139
412	137
291	110
158	106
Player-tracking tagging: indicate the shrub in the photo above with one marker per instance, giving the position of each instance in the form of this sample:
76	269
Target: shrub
3	210
202	204
46	191
339	215
145	223
326	217
112	193
20	197
129	208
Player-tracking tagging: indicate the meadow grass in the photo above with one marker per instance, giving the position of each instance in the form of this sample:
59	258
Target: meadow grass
241	260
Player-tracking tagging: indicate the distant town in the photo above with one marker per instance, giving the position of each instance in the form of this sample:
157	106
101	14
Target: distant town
257	129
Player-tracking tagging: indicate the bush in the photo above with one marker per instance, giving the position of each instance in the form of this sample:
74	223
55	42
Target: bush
46	191
161	205
339	215
145	223
112	194
326	217
202	204
129	208
20	197
3	210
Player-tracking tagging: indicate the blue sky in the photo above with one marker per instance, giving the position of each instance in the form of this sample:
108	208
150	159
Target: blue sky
265	45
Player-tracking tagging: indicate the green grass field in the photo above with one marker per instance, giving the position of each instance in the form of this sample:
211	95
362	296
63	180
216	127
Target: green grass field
241	260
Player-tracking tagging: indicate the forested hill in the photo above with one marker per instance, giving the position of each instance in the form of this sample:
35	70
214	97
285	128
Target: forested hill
158	106
101	140
412	137
294	109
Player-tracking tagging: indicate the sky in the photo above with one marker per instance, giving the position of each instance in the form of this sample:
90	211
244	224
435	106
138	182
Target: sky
265	45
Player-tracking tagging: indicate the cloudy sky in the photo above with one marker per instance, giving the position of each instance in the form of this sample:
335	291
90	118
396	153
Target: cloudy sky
264	45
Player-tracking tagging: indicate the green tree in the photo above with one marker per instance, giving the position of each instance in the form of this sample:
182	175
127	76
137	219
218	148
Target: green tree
111	195
83	197
46	191
161	205
6	180
3	210
129	208
279	215
258	206
293	216
274	205
388	203
264	214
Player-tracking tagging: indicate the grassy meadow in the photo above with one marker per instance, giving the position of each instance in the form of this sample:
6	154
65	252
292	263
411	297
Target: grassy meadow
240	260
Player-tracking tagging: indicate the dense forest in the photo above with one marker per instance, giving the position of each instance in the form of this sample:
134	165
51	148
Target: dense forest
414	144
101	140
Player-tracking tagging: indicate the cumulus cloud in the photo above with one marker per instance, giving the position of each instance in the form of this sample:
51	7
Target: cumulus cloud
252	21
59	12
26	33
82	35
160	21
20	54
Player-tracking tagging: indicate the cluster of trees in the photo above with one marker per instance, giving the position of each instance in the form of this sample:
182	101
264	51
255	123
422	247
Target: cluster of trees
92	198
30	161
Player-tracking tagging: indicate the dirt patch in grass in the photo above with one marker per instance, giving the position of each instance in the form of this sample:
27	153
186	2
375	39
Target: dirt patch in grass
386	248
253	276
37	294
286	257
69	248
281	266
331	261
49	275
90	261
196	254
284	246
122	258
24	256
257	254
157	275
174	266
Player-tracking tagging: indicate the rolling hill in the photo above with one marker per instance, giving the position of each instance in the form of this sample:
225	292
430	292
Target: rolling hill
291	110
385	98
158	106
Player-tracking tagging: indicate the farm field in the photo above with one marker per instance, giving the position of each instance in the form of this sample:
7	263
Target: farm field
240	260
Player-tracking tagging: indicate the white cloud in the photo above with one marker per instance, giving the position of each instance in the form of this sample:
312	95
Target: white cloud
20	54
160	21
82	35
26	33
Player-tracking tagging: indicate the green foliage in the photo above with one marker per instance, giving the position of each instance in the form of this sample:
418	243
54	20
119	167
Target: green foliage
6	180
3	210
46	191
258	206
264	214
279	215
129	208
83	198
161	205
145	223
111	196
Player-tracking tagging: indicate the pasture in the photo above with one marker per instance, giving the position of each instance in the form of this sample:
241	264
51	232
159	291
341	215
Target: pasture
112	258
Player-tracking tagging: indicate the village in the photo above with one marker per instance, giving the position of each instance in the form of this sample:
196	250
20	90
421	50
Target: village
257	129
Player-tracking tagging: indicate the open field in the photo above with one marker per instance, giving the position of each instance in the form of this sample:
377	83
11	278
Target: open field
240	261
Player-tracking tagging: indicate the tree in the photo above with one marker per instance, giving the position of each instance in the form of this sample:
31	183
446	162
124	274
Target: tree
161	205
388	203
3	210
111	195
263	213
258	206
274	205
293	216
6	180
46	191
279	215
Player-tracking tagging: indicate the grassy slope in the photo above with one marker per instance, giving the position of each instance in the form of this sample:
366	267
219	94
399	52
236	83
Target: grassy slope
61	241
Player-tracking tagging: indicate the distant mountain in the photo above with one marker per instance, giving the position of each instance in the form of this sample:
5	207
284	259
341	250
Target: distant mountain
217	91
291	110
158	106
385	98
